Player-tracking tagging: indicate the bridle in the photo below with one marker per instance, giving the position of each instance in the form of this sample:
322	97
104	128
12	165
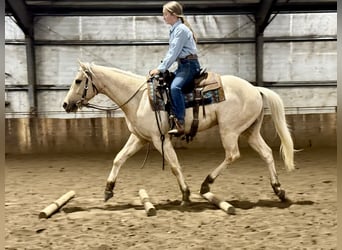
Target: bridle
83	102
85	89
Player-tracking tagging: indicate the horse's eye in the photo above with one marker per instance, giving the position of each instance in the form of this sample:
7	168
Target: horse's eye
78	81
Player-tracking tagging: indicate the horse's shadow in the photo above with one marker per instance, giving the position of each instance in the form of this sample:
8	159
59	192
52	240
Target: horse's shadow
194	206
268	203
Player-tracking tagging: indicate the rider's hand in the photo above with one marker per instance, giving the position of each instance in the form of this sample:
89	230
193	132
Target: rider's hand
154	72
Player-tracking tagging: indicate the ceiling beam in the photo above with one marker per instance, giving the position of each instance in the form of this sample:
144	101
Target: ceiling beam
148	7
139	8
22	15
263	15
306	7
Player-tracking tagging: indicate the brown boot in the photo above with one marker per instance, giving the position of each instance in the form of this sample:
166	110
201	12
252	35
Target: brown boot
178	130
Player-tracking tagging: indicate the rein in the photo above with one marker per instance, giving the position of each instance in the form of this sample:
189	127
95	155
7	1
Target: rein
104	108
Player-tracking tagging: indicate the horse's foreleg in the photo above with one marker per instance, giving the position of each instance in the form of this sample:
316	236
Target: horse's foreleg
232	153
171	157
133	145
260	146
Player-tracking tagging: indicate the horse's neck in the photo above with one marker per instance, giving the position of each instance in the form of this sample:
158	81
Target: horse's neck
119	86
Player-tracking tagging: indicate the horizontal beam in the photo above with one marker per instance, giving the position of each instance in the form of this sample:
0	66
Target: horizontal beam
20	87
138	8
152	8
306	7
279	39
286	39
326	83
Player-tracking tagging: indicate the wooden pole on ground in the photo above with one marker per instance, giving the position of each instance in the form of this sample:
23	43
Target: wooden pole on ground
149	208
225	206
57	204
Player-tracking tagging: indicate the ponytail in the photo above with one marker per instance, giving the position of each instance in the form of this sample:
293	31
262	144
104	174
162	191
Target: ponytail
187	24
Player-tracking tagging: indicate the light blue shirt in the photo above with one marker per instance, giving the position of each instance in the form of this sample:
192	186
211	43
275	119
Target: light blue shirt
181	44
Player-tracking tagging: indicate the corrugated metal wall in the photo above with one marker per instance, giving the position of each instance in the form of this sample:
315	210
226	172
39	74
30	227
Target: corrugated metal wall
138	43
129	45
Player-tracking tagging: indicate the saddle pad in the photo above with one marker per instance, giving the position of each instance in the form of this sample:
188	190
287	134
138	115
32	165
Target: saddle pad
208	97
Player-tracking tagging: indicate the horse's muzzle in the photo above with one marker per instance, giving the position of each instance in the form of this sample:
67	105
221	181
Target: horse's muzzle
70	107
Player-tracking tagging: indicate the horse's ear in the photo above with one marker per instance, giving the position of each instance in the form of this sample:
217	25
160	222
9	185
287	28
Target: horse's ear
84	66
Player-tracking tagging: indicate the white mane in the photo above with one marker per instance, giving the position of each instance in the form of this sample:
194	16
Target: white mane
88	67
126	72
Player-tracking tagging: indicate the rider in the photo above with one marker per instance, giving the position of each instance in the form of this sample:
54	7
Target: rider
182	48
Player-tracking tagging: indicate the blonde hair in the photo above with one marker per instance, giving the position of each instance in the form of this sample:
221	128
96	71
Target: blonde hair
176	9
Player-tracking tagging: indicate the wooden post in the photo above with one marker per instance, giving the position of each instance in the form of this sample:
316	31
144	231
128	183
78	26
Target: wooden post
57	204
225	206
149	208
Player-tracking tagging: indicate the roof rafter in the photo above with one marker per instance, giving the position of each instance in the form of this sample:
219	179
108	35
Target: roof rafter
153	7
263	14
22	15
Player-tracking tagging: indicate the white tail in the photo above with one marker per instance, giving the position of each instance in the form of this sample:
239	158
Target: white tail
278	114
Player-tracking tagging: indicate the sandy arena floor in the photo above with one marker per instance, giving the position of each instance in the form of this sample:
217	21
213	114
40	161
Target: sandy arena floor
86	222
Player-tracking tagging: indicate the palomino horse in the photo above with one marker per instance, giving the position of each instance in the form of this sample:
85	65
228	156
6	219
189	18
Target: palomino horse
241	112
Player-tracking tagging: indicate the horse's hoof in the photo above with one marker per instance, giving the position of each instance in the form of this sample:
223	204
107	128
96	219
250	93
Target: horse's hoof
108	195
279	192
281	195
185	203
204	189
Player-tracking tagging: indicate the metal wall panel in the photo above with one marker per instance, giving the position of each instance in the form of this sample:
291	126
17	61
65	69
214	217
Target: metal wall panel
137	27
19	103
284	61
99	28
59	64
303	25
222	26
15	65
300	61
56	65
12	30
57	28
301	100
229	59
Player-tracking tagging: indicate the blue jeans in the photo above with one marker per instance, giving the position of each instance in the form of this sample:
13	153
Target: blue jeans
184	75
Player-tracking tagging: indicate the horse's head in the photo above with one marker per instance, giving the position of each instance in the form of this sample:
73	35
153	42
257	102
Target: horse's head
82	89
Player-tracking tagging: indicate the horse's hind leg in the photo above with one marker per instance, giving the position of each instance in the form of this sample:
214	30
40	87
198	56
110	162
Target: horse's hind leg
133	145
260	146
230	144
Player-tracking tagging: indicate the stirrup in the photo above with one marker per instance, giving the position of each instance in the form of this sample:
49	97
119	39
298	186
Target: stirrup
178	130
